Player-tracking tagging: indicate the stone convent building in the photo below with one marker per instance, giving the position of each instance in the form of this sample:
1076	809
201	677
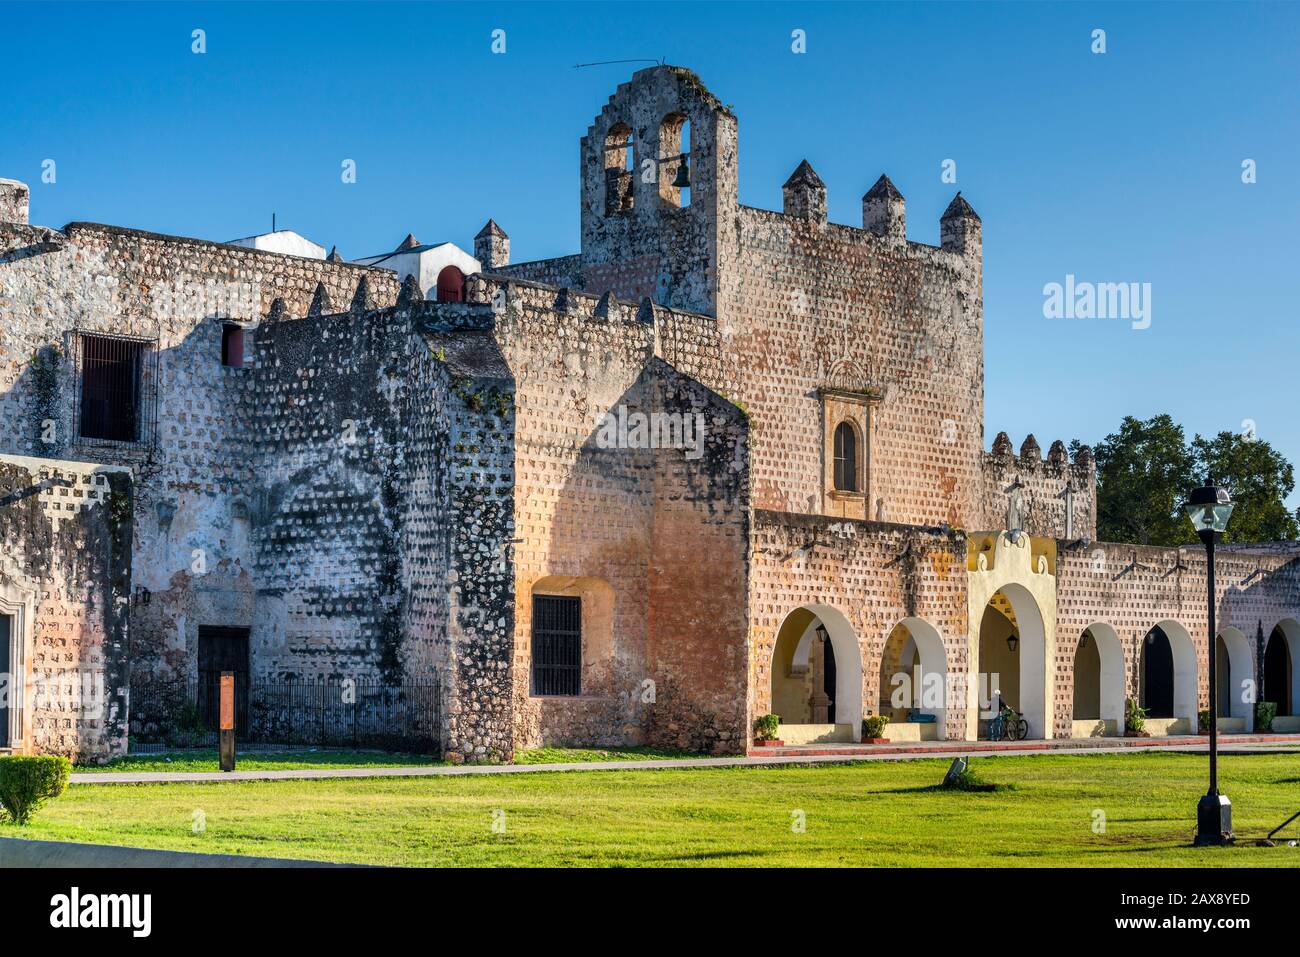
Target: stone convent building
722	461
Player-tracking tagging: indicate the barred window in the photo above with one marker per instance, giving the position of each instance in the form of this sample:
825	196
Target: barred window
115	380
846	458
557	645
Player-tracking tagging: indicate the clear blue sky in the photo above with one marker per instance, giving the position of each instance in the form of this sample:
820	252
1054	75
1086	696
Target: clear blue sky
1120	167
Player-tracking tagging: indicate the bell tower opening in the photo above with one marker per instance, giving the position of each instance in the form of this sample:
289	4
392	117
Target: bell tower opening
659	177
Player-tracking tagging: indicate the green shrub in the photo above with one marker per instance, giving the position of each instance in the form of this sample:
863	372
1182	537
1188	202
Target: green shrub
1135	718
765	728
873	725
28	782
1265	712
1203	719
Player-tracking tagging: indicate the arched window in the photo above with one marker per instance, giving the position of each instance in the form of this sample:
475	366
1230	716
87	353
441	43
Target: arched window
846	458
451	285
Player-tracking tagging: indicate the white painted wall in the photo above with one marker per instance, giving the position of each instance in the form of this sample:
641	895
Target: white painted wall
426	264
283	241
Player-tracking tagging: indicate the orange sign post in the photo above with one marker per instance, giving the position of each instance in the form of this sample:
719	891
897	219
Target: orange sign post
227	721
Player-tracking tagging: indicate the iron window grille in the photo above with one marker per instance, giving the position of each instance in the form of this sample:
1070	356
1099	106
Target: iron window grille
116	379
557	645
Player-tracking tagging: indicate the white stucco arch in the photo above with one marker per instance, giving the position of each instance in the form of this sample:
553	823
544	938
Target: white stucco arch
1035	703
1241	669
848	659
933	682
1184	654
1290	629
1113	685
1023	568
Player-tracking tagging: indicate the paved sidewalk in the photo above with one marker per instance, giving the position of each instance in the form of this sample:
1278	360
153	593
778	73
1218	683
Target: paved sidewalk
824	754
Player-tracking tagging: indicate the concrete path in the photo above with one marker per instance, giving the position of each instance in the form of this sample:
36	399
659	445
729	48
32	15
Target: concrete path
22	852
824	755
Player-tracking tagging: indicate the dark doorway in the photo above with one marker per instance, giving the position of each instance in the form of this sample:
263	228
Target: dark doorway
15	685
1157	675
828	677
222	649
451	285
1277	672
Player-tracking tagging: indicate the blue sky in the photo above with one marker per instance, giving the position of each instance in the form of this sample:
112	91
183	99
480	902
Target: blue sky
1118	167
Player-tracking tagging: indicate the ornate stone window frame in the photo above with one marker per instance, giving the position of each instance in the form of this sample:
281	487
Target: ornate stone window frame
19	604
857	407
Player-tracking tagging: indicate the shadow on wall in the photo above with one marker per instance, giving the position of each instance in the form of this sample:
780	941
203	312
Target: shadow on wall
186	406
655	507
197	501
1261	638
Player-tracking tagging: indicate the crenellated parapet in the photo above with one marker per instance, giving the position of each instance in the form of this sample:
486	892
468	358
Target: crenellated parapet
1049	496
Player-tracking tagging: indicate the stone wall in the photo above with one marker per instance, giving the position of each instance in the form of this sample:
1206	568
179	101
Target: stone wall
874	574
192	532
651	540
65	576
808	306
800	304
1134	588
1045	488
559	272
478	524
384	510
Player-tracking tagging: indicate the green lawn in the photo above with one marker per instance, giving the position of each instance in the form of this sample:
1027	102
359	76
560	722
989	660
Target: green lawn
200	760
867	814
584	755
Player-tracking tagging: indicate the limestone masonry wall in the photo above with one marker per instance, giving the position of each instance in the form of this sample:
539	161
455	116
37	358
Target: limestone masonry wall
65	578
1045	489
1134	588
876	574
191	517
588	520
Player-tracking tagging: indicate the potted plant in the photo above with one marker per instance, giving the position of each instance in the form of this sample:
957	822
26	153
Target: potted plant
1203	721
873	729
765	729
1135	719
1265	712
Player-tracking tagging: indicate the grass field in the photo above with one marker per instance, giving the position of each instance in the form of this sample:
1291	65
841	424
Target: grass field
864	814
201	760
297	760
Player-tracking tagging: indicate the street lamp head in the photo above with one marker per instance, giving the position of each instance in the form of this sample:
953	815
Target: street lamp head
1209	507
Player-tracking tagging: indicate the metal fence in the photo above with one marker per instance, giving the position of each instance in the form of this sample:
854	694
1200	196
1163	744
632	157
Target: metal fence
322	713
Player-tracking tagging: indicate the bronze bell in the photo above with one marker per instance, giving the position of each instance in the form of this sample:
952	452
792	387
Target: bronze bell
683	178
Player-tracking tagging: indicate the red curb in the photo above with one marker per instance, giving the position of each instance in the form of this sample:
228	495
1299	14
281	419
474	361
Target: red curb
1064	745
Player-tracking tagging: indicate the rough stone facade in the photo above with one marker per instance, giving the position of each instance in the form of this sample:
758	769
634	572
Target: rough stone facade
65	577
749	443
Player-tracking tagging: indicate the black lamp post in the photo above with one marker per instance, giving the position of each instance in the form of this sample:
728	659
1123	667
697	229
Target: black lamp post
1209	508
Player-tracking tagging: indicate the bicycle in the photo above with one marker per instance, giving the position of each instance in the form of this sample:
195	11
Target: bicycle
1008	726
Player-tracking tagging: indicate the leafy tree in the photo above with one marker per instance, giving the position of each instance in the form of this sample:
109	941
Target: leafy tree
1260	479
1143	473
1147	467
